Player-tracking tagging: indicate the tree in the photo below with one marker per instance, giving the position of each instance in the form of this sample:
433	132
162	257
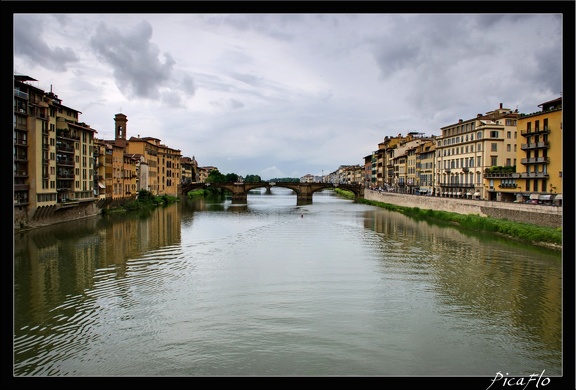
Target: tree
216	177
252	179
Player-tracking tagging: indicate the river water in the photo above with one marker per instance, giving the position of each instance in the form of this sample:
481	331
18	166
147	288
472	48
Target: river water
205	288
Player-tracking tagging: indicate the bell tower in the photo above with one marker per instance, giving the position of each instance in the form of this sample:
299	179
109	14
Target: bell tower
120	121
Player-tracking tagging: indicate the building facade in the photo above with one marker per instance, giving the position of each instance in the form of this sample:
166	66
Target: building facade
53	154
537	177
467	148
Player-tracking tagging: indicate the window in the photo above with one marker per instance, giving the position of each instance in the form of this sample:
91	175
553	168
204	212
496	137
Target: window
479	135
494	161
509	134
494	147
493	134
507	162
508	147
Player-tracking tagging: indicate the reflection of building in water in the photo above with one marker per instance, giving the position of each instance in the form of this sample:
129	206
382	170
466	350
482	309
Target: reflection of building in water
56	262
132	237
464	270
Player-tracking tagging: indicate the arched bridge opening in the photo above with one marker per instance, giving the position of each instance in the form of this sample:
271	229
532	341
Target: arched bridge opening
304	191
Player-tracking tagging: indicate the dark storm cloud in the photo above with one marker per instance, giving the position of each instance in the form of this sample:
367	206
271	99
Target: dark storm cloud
135	61
29	43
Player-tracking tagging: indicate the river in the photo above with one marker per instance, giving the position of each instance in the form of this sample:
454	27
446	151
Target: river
205	288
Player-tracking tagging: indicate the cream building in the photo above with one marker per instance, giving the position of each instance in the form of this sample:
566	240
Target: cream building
466	149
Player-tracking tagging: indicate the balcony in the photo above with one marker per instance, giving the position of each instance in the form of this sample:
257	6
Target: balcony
535	160
537	145
534	175
62	161
20	94
531	132
496	175
21	126
508	185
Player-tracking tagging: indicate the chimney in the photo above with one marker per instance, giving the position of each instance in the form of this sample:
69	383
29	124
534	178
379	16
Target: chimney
500	105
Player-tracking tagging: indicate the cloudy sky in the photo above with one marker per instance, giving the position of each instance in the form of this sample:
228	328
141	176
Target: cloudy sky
284	95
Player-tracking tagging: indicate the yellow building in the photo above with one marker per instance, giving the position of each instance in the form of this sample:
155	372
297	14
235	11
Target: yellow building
539	175
426	157
53	153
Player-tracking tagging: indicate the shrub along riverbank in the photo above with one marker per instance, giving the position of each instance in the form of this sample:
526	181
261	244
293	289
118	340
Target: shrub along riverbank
144	201
533	234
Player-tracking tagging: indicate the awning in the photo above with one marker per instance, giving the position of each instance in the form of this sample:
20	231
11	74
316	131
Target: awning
469	193
545	197
458	193
476	194
558	197
535	196
101	185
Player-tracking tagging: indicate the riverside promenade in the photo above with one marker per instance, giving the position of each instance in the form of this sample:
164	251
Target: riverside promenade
544	215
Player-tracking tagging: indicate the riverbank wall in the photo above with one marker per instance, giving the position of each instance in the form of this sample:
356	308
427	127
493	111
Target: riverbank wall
543	215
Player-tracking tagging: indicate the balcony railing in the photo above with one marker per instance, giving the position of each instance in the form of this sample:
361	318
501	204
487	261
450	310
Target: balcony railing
534	175
20	94
535	160
528	133
495	175
537	145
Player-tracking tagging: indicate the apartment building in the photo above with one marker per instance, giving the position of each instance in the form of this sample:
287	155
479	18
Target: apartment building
139	163
540	153
467	148
426	156
203	173
385	165
189	169
538	176
370	163
53	153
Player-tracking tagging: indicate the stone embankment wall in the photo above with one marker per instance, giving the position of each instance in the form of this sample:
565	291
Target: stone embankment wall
50	215
518	212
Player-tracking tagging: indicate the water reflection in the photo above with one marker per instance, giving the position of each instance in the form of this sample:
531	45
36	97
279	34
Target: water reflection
484	276
211	282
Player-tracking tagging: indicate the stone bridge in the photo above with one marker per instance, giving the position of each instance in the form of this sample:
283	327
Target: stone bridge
304	191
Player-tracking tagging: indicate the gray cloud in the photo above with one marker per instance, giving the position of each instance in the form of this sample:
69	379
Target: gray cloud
29	43
135	61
